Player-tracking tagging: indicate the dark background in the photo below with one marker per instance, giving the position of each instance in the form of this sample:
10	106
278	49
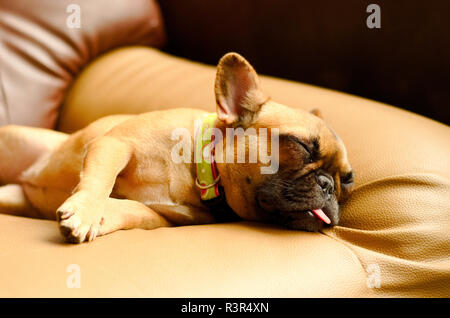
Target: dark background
406	63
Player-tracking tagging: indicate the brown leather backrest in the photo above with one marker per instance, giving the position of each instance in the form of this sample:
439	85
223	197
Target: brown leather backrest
42	49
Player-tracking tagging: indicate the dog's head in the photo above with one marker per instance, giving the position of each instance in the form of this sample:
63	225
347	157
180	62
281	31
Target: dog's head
313	173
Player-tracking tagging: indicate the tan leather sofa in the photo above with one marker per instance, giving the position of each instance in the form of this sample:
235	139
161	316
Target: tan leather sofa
393	239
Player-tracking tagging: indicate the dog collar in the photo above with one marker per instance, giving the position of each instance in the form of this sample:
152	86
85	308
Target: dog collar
207	176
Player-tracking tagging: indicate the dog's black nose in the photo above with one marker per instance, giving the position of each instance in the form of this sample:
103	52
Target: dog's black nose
326	183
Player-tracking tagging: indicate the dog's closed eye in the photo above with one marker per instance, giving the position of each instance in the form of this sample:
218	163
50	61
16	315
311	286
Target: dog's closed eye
311	148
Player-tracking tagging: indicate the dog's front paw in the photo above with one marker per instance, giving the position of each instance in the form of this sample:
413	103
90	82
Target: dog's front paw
80	218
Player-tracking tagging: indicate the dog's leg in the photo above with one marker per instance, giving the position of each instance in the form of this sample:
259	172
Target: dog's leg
105	158
21	146
118	214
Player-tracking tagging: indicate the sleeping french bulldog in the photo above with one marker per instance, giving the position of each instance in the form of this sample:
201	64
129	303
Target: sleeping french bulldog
119	173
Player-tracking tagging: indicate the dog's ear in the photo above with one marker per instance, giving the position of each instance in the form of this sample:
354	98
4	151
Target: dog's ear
237	89
317	112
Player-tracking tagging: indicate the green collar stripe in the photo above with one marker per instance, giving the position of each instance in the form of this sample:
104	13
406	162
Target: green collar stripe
207	174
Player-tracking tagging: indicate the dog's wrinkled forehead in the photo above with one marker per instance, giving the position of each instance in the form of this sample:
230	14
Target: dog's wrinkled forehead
307	140
301	126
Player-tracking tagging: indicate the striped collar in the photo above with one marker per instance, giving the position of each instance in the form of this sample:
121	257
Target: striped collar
207	176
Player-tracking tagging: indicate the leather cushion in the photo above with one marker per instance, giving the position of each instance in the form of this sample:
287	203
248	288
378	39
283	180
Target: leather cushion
41	55
220	260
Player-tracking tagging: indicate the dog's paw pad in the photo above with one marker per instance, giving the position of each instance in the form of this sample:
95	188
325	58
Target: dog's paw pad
63	215
65	230
77	229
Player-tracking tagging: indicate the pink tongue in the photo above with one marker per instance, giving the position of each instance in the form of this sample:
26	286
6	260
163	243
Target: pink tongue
319	213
